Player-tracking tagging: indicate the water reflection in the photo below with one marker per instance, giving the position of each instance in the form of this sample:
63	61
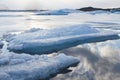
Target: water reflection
99	61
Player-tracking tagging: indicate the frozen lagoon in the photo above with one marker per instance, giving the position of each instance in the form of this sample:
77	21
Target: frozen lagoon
93	57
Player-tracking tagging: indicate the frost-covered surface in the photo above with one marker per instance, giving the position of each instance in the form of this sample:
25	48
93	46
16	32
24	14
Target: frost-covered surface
47	41
26	67
58	12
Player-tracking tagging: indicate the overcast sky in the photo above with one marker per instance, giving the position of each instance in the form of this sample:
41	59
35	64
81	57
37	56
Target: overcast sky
56	4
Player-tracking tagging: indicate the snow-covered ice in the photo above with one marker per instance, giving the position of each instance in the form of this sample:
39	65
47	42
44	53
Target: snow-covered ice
52	40
26	67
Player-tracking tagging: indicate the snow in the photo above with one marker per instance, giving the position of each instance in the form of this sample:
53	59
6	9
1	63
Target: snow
58	12
53	40
26	67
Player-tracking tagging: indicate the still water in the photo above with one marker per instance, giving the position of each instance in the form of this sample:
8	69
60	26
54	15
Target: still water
99	61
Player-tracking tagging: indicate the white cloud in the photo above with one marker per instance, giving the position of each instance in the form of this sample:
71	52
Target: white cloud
55	4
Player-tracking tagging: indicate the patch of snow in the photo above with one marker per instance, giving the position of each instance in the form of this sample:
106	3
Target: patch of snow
47	41
26	67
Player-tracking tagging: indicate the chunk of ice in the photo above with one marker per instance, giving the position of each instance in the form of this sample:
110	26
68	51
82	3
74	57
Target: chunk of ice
26	67
47	41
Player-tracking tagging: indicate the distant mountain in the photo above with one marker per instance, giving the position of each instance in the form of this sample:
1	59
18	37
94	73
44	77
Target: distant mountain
95	9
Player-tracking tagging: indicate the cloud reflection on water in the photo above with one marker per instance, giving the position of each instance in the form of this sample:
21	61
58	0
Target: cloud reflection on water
99	61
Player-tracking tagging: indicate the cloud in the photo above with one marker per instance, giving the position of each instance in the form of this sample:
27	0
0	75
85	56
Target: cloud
57	4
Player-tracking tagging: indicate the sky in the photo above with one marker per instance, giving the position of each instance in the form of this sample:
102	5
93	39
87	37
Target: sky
57	4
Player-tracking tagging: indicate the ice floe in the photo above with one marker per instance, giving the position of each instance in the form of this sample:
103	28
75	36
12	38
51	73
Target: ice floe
26	67
58	12
52	40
